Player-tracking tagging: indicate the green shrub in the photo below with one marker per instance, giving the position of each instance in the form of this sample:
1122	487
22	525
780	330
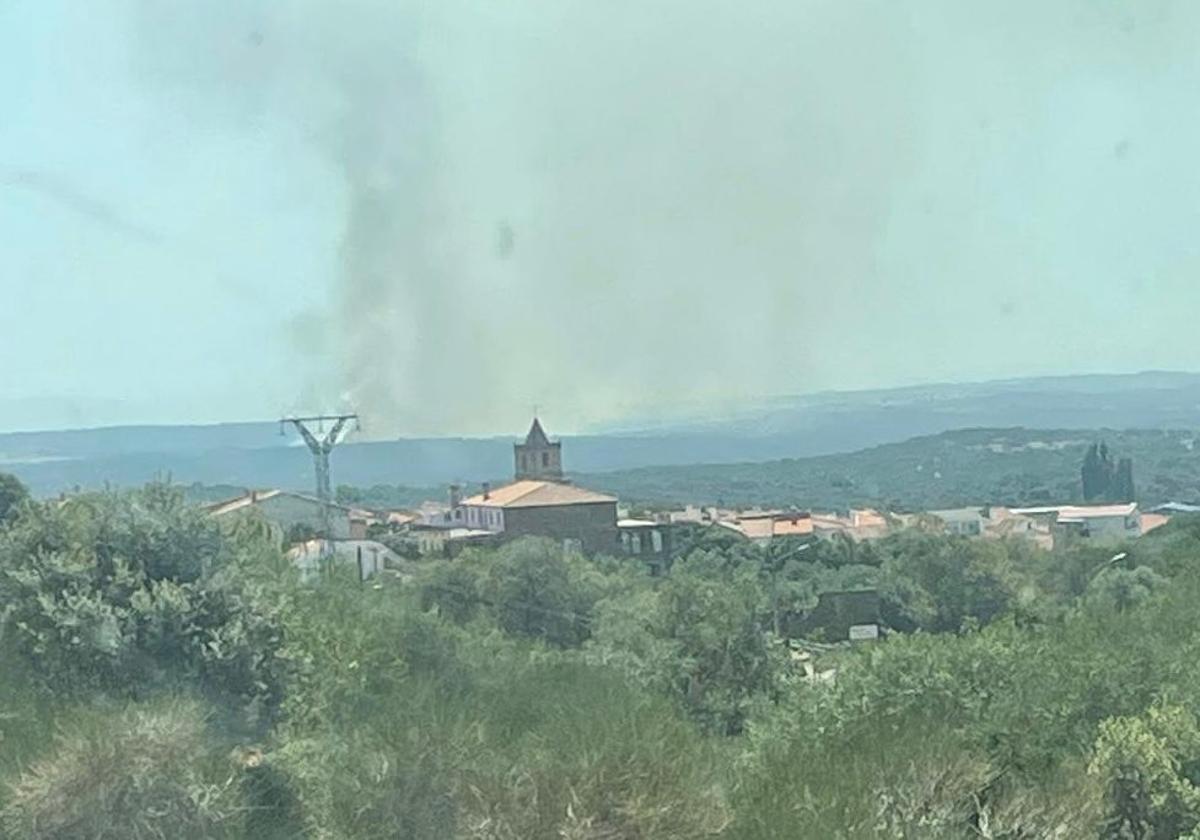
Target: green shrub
136	773
1148	765
127	594
579	754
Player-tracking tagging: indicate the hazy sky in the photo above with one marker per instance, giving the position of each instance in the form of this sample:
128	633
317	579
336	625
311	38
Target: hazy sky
444	213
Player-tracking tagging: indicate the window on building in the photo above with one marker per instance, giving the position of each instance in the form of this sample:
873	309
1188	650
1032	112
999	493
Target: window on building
635	544
656	542
545	459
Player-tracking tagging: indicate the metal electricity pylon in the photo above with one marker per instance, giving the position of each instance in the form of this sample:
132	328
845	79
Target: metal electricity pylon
320	447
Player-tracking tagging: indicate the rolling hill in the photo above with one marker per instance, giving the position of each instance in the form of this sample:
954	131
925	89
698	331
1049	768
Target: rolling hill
772	430
1013	466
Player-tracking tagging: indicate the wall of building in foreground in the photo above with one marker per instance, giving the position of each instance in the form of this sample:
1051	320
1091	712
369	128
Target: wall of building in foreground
593	525
293	510
1110	527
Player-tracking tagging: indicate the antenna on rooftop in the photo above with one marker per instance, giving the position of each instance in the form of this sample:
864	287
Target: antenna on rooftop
320	447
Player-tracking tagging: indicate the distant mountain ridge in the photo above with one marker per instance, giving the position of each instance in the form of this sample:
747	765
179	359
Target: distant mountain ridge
1013	466
247	454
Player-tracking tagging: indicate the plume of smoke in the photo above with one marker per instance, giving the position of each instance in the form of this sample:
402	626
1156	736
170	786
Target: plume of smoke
599	207
587	206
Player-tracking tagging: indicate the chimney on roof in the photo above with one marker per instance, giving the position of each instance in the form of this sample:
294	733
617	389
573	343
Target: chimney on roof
455	495
487	490
253	496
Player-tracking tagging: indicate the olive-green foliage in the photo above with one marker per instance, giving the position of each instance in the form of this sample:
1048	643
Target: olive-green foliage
904	776
699	636
125	593
352	648
1119	589
524	692
370	781
582	755
1015	467
405	726
1026	702
537	590
12	495
1149	766
937	583
530	587
141	772
26	718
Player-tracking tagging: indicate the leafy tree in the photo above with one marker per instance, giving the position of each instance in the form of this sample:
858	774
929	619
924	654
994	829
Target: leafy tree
1096	473
1102	481
1122	488
1121	589
345	494
699	636
12	494
1148	765
126	592
938	583
537	590
453	588
1068	571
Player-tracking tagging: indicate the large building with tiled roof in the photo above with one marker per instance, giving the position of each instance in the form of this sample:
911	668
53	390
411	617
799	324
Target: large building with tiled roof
580	518
541	502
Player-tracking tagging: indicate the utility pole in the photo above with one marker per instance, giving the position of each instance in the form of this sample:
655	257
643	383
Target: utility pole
320	447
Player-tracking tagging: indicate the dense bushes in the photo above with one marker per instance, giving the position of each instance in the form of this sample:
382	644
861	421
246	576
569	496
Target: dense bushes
127	594
141	772
163	677
400	724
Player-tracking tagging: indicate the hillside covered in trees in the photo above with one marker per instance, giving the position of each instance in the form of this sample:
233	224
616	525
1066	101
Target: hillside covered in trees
970	466
168	676
255	454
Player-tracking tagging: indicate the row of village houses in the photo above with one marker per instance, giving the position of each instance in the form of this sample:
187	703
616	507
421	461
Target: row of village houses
540	501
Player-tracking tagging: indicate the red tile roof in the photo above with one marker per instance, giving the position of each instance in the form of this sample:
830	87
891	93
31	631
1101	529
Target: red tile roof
521	494
1150	521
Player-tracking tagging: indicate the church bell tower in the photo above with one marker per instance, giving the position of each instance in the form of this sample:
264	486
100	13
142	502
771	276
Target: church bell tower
537	458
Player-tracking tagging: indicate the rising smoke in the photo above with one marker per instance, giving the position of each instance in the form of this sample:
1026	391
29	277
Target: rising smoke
602	207
591	207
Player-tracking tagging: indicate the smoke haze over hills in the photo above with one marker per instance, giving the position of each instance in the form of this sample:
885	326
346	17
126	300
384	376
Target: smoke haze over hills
254	454
444	213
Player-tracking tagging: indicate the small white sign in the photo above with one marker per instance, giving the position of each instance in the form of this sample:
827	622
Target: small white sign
859	632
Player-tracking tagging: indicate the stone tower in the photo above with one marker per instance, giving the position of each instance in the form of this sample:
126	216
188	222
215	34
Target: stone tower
537	458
